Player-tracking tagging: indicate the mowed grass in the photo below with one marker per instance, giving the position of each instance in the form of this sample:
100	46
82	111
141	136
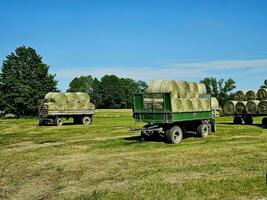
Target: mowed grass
106	161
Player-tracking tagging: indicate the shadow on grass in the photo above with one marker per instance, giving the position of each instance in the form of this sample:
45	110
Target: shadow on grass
158	138
230	123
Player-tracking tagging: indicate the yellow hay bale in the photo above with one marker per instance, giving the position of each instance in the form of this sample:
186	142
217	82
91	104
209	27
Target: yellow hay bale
240	95
184	89
262	107
72	98
252	106
83	97
229	107
214	104
193	89
262	94
205	104
240	107
201	88
52	106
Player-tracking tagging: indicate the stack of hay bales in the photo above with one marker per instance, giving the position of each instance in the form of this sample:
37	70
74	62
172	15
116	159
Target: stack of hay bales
184	95
248	102
56	101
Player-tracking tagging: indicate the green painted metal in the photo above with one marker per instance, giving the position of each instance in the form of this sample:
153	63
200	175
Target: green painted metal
165	115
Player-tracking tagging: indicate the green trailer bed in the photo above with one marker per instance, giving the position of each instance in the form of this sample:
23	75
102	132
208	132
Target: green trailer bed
160	118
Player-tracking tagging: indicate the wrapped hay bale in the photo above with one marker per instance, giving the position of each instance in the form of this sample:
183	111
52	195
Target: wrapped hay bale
52	106
262	94
214	104
229	107
240	96
83	97
240	107
262	106
252	106
201	88
72	98
193	89
205	103
184	89
56	97
251	95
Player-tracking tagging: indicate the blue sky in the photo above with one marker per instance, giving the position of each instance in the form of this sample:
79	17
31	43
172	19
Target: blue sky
183	40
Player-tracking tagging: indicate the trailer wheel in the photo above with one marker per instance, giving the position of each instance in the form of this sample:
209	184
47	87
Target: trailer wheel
58	121
248	120
203	130
174	135
237	120
41	122
264	122
77	120
213	126
86	120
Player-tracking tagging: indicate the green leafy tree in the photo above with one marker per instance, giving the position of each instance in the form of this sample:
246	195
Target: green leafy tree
81	84
221	89
25	79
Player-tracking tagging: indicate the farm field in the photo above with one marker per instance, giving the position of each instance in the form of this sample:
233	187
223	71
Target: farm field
106	161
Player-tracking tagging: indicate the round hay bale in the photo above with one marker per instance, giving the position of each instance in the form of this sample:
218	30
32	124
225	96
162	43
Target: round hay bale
52	106
202	88
83	97
88	106
56	97
214	104
240	95
262	94
193	89
262	106
197	105
252	106
49	95
229	107
205	103
184	89
240	107
182	105
72	98
251	95
77	106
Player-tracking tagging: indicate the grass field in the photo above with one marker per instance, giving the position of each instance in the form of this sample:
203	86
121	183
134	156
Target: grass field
105	161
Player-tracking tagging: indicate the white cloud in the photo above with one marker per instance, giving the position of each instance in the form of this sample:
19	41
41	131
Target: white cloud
181	70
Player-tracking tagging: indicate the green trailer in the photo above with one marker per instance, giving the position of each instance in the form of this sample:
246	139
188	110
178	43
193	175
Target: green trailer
157	113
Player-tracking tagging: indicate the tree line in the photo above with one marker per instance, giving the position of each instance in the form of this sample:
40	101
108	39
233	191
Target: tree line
24	79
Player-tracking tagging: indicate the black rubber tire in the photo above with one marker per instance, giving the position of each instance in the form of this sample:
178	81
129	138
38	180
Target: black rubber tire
237	120
174	135
86	120
58	121
41	122
77	120
264	122
213	126
203	130
248	120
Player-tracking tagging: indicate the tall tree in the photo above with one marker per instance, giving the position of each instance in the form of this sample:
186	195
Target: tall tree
221	89
25	79
81	84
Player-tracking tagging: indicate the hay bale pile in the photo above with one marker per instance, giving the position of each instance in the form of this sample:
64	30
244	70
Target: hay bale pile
68	101
248	102
184	95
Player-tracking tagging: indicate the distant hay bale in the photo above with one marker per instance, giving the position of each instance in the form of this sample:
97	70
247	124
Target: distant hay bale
252	106
72	98
229	107
201	88
262	94
214	104
251	95
262	107
83	97
52	106
240	107
240	95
